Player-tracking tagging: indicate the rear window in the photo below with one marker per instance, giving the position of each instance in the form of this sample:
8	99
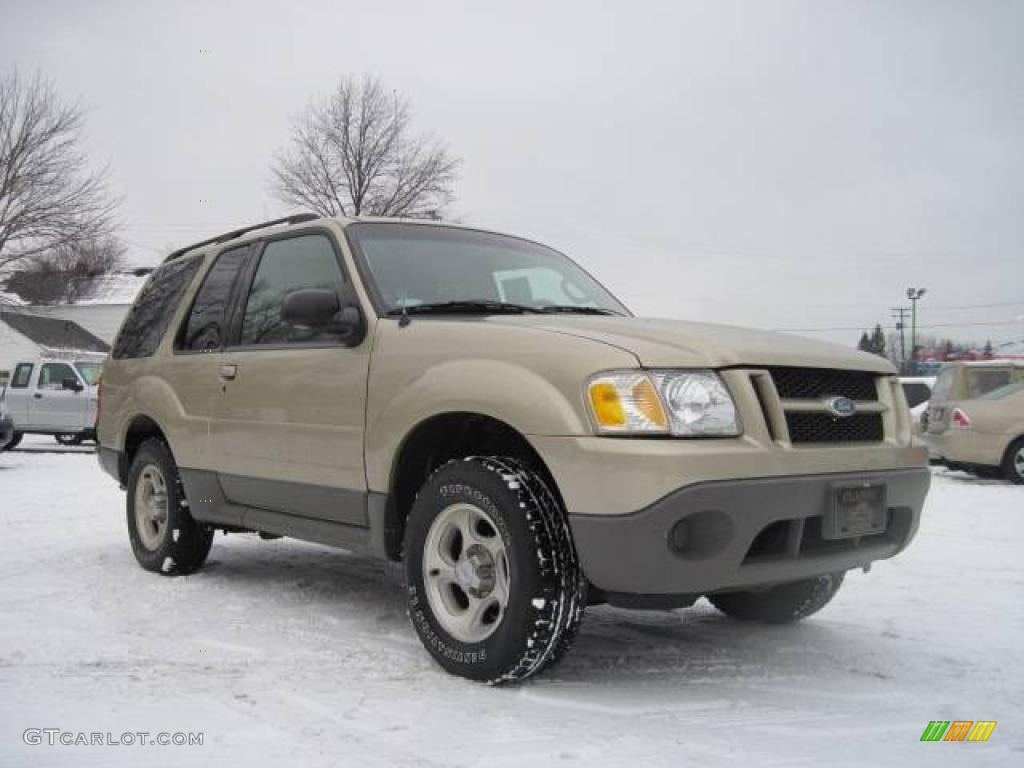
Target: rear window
982	381
147	322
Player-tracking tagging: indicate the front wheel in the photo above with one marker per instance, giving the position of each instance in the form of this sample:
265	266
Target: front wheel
69	439
164	536
495	588
1013	463
781	604
15	439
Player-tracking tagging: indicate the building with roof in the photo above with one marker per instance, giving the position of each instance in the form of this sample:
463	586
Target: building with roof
26	336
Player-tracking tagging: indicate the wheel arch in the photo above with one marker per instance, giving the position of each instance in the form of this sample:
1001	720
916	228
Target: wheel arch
139	429
433	442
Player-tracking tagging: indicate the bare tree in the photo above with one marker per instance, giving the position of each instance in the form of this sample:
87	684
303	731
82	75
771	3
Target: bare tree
48	196
63	274
354	154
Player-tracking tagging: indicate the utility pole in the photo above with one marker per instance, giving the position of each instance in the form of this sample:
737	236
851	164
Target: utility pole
899	314
914	294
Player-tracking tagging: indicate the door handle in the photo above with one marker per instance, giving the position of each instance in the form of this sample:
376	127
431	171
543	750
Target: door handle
228	372
37	396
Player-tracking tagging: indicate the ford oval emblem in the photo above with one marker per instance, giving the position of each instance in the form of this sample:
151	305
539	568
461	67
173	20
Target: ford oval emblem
840	407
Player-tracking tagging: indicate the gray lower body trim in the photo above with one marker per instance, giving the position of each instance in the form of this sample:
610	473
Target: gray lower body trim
337	505
110	462
311	513
742	533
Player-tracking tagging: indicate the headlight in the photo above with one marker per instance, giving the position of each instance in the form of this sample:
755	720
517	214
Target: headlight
682	403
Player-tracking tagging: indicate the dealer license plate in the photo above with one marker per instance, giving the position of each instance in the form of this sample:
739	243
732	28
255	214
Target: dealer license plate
857	510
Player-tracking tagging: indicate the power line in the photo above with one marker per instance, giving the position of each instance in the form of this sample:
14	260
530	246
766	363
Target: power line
977	306
891	327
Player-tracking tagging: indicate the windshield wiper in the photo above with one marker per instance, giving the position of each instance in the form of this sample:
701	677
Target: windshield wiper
465	306
573	309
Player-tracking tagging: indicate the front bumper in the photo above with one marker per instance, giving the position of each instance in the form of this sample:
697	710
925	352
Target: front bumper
742	533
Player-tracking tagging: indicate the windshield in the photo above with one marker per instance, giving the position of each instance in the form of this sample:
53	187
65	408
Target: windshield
90	372
412	265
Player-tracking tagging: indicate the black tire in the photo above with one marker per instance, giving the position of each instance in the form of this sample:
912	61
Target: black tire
782	604
69	439
547	589
184	543
1013	466
15	439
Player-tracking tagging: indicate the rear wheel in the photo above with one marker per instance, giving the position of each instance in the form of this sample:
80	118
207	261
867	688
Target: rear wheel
164	536
495	589
781	604
15	439
1013	462
69	439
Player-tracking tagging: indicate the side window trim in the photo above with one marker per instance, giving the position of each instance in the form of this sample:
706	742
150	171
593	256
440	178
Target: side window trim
350	295
241	295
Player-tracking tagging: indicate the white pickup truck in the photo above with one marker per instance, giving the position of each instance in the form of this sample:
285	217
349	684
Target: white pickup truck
54	397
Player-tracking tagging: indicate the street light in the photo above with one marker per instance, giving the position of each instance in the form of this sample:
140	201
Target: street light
914	294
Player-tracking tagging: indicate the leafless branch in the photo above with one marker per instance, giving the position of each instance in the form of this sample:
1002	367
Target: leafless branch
48	196
353	154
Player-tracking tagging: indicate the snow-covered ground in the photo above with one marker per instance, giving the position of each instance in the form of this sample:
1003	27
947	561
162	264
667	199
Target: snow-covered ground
284	653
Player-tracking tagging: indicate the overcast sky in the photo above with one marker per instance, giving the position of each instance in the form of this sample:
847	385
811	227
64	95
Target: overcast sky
775	164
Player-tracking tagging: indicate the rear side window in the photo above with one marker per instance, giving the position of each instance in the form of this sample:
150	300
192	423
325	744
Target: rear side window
916	392
146	323
981	382
206	324
22	374
285	266
52	375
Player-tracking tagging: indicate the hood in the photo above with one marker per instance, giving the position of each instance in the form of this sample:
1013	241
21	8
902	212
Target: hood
680	344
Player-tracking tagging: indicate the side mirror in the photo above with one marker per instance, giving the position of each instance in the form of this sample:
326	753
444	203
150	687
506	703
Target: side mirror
311	307
321	309
71	384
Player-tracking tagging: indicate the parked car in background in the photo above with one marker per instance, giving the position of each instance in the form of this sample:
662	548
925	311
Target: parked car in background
54	397
918	391
975	421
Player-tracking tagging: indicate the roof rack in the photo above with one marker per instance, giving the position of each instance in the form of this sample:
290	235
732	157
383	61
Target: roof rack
298	218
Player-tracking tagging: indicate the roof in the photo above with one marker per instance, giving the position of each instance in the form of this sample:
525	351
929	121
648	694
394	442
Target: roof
256	231
998	363
119	287
54	333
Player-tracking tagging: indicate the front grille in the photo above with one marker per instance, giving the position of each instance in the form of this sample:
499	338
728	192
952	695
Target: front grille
814	427
816	383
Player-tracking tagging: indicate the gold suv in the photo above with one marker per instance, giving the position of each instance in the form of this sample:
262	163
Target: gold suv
479	408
